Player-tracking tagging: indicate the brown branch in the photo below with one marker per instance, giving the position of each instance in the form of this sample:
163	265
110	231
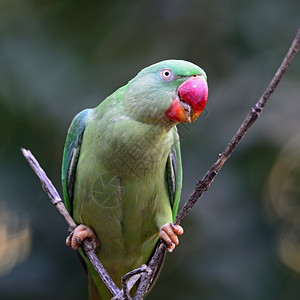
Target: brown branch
205	183
253	114
148	274
58	203
48	187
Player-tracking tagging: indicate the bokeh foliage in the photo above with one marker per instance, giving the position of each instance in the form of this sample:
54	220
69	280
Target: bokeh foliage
60	56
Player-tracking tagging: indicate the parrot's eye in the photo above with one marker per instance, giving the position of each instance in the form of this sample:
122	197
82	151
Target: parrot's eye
166	74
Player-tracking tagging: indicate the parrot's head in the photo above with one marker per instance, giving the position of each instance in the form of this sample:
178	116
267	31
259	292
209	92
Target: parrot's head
171	90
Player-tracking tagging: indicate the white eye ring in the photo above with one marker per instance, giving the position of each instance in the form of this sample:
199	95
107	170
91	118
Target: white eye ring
166	74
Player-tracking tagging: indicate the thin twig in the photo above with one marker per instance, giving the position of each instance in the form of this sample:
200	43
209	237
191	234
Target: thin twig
205	183
133	277
201	186
253	114
153	265
57	201
48	187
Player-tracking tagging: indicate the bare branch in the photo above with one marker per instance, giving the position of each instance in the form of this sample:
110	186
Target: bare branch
48	186
205	183
149	273
133	277
57	201
153	265
253	114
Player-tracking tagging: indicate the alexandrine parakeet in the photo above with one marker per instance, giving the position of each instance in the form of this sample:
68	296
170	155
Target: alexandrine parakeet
121	171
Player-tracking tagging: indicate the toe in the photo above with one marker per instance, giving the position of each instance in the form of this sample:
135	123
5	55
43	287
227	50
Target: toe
163	235
178	229
171	248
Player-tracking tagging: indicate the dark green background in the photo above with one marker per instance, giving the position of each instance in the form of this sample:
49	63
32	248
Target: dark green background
242	240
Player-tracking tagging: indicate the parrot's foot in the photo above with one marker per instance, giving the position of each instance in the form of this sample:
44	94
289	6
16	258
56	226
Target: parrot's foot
168	233
80	233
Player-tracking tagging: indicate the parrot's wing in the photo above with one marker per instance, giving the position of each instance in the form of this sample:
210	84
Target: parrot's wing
174	184
174	173
71	156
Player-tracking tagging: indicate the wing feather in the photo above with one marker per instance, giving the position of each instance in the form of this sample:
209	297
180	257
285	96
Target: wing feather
71	156
174	173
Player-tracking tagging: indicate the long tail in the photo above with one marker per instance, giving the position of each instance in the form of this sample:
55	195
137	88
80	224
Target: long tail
94	293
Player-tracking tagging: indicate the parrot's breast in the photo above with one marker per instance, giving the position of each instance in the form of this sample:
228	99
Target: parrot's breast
121	189
135	149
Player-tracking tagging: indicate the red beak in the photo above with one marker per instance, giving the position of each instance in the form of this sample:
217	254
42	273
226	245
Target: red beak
191	100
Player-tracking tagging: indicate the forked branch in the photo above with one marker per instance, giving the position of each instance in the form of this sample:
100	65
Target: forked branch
148	273
205	183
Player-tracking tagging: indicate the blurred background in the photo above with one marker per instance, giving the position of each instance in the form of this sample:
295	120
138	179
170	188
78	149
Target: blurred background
242	240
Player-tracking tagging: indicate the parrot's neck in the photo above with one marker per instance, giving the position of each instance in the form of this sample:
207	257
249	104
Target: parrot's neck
141	109
127	144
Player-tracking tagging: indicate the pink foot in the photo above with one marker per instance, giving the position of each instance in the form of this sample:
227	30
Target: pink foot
168	233
80	233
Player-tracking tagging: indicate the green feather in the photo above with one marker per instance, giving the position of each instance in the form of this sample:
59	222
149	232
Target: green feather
122	173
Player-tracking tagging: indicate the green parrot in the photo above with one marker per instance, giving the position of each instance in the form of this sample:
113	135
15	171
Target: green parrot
122	172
